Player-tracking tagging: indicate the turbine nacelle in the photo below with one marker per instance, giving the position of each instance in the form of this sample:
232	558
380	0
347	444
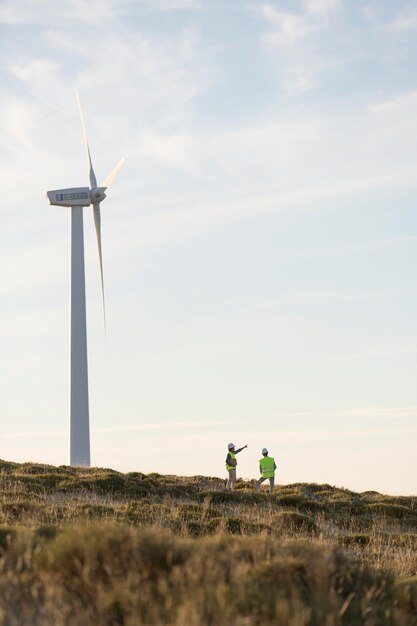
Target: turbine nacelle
76	196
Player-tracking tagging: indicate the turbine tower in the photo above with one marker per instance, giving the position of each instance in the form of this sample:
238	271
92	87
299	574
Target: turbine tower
76	198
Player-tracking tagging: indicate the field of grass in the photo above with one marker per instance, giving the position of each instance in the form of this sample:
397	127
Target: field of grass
93	547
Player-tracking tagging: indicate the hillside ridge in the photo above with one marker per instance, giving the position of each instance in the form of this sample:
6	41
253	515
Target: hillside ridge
95	546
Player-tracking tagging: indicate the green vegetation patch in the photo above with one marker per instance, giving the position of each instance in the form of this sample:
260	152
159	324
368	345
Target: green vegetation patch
401	540
396	511
39	469
293	521
96	511
234	497
19	509
146	513
295	500
99	569
300	502
7	534
406	596
47	532
357	539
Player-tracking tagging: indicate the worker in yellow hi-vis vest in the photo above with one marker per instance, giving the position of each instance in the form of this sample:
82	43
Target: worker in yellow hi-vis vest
267	468
231	463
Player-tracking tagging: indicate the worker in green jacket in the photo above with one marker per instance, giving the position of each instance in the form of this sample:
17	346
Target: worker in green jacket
267	468
231	463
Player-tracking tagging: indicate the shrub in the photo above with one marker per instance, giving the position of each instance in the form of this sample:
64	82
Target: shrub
234	525
195	528
292	521
396	511
7	534
35	468
403	540
290	500
214	524
113	548
47	532
189	511
7	466
234	497
316	488
244	485
15	510
356	539
38	482
96	510
135	476
144	513
406	595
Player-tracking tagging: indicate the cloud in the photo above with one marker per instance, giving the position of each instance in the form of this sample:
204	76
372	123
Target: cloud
394	122
292	27
137	91
322	7
34	11
152	79
174	5
379	412
405	20
184	428
200	217
297	37
399	105
18	119
148	426
386	17
36	72
358	413
333	296
294	298
353	248
270	169
288	28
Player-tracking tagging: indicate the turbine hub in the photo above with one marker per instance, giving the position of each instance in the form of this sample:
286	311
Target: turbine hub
97	195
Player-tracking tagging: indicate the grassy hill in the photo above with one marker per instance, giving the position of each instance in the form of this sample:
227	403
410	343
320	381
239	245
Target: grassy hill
84	547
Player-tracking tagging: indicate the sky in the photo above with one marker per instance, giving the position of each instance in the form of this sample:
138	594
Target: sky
259	244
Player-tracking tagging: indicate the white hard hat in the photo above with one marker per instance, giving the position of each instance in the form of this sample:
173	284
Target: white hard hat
231	446
264	451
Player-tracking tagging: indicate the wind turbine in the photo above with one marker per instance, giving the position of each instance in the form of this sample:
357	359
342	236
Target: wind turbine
77	198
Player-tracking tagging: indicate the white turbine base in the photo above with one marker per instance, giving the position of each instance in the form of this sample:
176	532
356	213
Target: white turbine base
79	414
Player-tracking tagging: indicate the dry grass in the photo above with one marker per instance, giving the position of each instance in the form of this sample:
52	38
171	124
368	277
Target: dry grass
86	547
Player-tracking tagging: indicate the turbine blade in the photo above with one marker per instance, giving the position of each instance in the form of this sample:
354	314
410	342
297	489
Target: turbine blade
93	180
97	224
110	178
